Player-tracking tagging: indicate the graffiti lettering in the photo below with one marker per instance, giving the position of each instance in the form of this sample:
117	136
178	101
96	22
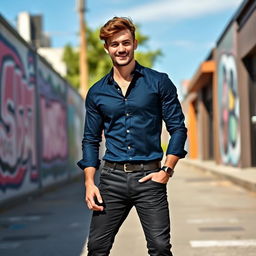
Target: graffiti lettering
17	120
53	117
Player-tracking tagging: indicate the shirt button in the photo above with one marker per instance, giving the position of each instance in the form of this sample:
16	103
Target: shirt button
130	158
129	147
125	99
127	131
127	114
118	89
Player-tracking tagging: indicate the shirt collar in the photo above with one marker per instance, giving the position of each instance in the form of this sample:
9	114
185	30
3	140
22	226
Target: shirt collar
137	70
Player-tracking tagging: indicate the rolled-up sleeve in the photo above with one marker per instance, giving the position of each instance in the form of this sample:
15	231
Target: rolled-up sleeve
92	134
173	118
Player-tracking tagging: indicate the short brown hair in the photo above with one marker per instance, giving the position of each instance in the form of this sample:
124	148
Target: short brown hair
116	25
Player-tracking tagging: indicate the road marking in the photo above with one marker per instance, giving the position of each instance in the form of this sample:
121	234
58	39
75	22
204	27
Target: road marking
212	220
223	243
220	229
24	237
74	224
9	245
22	218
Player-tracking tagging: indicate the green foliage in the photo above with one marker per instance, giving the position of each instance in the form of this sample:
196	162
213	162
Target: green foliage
147	58
99	63
142	39
71	59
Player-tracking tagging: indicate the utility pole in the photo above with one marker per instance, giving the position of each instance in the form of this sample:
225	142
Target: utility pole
83	49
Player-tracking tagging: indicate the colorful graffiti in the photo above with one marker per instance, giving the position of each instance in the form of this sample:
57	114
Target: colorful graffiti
75	128
35	120
228	110
53	118
53	123
228	99
17	117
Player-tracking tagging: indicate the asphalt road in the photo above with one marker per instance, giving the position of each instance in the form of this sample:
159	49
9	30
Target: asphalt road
210	217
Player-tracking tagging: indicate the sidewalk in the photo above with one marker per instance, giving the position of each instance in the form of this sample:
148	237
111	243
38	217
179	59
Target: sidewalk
204	209
245	177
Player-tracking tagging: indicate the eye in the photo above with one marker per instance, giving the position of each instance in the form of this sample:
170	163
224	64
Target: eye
114	45
126	43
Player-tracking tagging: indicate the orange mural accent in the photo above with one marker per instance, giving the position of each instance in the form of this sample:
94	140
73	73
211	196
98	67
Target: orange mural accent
192	132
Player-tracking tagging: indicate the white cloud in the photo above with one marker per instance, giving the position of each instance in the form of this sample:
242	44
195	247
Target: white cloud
176	9
188	44
182	44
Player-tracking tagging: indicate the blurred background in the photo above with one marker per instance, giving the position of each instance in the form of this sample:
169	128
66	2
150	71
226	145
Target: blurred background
50	55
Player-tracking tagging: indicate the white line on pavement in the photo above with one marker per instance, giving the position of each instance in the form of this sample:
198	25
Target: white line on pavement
22	218
223	243
9	245
74	224
212	220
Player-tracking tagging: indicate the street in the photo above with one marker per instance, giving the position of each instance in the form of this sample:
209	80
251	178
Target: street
210	217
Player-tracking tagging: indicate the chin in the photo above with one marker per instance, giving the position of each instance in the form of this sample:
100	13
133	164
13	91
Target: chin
123	63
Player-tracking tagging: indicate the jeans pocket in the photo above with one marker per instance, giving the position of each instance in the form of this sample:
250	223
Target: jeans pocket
157	183
104	174
153	182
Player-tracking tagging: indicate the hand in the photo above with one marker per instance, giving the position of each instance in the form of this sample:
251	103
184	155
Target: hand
93	192
161	177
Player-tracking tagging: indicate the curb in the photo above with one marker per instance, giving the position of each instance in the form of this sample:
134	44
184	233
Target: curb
26	197
244	177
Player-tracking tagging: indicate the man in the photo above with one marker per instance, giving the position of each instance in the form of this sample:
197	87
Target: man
129	104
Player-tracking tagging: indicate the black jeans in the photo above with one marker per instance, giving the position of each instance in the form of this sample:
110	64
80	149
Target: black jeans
120	192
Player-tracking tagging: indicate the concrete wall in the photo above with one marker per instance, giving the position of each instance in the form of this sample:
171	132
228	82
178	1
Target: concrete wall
41	120
247	47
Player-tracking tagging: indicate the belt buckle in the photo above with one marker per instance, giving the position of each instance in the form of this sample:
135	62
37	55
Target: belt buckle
125	168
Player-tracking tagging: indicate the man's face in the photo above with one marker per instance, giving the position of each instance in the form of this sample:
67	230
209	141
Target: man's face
120	48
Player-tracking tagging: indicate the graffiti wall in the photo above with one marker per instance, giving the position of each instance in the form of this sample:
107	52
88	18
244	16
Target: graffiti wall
18	158
228	99
53	142
75	129
40	133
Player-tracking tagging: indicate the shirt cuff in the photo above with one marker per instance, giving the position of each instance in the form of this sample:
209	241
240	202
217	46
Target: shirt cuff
180	154
84	164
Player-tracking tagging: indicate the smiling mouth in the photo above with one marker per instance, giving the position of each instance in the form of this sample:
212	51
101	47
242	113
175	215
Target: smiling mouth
122	56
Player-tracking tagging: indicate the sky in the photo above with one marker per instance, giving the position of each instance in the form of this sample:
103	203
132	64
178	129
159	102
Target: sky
184	30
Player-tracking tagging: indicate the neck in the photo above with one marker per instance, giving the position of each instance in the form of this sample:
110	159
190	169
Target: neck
124	72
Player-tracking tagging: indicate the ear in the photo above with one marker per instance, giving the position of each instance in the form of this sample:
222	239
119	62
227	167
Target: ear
135	44
106	48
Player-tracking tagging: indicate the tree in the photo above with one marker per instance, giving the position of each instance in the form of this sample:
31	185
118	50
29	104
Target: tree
71	57
99	62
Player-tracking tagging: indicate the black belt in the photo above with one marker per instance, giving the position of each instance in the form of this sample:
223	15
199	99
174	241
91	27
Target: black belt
133	167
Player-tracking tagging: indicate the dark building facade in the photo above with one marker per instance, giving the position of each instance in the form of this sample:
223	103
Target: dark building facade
220	103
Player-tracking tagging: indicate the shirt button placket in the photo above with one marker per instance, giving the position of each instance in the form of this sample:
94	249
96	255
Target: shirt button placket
127	114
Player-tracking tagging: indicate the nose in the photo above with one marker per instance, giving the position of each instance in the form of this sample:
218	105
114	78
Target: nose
121	48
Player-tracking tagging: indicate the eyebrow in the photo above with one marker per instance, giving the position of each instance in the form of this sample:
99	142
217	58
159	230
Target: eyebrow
123	41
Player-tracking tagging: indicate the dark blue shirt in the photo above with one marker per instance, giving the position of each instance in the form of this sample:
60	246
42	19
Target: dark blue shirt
132	124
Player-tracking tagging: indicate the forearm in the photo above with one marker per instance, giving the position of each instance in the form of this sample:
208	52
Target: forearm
89	173
171	160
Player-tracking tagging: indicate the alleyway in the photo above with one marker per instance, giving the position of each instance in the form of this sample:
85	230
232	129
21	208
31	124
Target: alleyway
208	216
